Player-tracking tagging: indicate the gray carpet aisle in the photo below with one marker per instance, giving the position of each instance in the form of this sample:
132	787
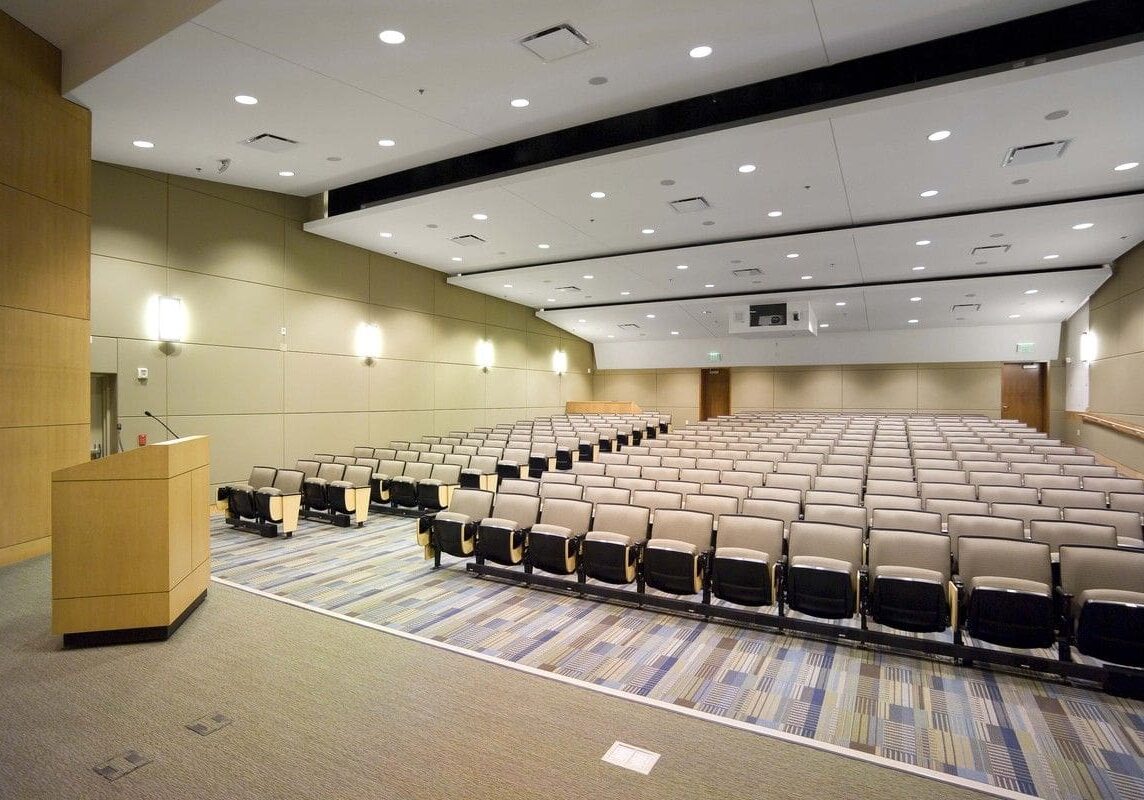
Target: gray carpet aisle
325	709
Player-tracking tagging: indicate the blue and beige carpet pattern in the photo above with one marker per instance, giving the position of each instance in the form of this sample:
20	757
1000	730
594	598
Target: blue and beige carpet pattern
1002	730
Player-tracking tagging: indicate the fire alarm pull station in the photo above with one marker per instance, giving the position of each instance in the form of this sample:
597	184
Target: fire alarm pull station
142	439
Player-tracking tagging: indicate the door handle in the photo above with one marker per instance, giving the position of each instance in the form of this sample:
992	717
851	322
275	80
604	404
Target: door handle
1004	408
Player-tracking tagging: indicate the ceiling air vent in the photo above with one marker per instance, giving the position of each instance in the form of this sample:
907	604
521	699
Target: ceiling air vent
468	240
629	326
689	205
963	308
990	250
748	272
567	288
553	44
1035	153
269	143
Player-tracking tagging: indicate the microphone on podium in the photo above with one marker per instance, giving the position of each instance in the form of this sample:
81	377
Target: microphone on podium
164	424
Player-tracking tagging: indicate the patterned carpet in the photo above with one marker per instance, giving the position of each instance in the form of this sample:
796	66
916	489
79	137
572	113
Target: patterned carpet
1007	732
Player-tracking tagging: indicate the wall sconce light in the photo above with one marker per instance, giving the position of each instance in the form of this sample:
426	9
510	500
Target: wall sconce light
367	341
485	354
1088	346
559	362
172	319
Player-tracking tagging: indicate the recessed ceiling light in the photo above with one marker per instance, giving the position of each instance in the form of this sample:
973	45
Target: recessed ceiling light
702	51
457	258
918	269
480	217
792	255
708	286
915	299
1082	226
386	235
1032	291
624	294
912	321
391	37
775	213
747	168
611	336
1014	316
929	193
1126	166
675	333
286	174
581	321
648	231
824	325
588	277
922	242
245	99
550	300
386	143
543	246
508	286
807	277
143	143
937	136
650	316
519	102
681	266
840	303
598	195
1051	256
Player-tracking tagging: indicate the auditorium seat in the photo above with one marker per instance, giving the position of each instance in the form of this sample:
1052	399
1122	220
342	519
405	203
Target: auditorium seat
747	553
454	530
822	569
676	554
349	495
716	505
1126	523
403	487
901	519
1073	498
554	542
525	486
611	549
908	580
314	496
433	492
607	494
854	516
501	537
1007	494
1005	590
1057	532
1103	589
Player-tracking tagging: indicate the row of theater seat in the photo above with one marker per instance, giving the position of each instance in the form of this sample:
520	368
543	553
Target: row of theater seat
984	577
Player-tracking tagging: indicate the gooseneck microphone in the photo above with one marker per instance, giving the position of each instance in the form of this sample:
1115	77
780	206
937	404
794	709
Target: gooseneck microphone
164	424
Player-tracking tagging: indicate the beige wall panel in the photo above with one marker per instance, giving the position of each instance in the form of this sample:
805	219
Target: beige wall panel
1125	450
538	325
222	311
506	315
455	341
55	167
458	386
879	388
453	301
540	350
1105	322
30	456
506	388
307	434
202	379
581	357
43	255
133	396
678	388
238	442
497	416
316	324
543	389
281	205
576	386
457	419
511	347
752	388
104	355
324	383
399	284
386	426
811	389
408	335
128	215
681	415
123	296
637	387
542	411
400	385
26	60
325	266
956	389
44	361
211	235
1114	385
1127	277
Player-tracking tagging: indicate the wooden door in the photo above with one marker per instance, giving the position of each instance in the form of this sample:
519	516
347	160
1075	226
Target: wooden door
714	393
1023	393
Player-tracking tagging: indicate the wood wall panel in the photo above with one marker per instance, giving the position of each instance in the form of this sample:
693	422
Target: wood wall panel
44	359
41	244
30	456
55	167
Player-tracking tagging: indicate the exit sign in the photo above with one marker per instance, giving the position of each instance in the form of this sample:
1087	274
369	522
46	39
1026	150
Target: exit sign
714	357
1026	347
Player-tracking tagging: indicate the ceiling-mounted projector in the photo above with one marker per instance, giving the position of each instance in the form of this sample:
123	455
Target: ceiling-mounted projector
773	319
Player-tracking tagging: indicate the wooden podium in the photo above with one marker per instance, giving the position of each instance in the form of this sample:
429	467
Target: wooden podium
131	543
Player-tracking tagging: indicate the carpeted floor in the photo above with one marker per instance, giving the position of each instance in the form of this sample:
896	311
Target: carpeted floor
1005	731
326	710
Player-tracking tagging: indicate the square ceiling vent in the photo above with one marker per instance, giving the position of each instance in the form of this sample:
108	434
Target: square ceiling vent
467	240
553	44
1035	153
689	205
628	326
963	308
270	143
747	272
990	250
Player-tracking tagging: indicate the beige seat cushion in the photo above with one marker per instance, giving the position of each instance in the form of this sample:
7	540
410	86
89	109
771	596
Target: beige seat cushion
453	516
1008	584
742	554
553	530
822	562
1110	596
269	490
613	538
674	545
907	573
499	522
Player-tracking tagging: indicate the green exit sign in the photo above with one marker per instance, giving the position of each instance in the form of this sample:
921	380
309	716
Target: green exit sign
714	357
1026	347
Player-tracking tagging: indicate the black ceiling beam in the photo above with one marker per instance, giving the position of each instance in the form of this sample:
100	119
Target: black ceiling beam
1061	33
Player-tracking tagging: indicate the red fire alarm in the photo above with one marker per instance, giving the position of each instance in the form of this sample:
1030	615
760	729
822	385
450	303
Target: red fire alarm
142	439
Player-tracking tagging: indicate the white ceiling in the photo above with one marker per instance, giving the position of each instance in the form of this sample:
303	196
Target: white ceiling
847	179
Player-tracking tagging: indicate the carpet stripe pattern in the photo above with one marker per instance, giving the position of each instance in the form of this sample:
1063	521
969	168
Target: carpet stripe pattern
1001	730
